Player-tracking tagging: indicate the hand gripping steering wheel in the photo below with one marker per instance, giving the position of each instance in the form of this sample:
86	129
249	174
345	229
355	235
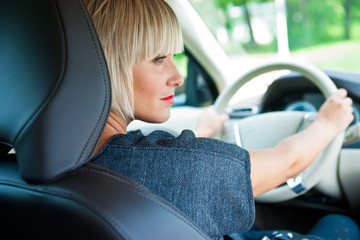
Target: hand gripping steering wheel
266	130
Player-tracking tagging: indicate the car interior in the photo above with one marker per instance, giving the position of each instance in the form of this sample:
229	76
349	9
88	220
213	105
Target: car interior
54	79
55	100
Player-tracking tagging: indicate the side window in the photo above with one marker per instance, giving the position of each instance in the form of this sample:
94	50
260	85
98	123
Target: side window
198	89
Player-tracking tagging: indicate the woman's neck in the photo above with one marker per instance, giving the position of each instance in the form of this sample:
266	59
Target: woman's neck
114	125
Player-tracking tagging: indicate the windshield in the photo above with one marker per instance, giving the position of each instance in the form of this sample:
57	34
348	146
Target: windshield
325	33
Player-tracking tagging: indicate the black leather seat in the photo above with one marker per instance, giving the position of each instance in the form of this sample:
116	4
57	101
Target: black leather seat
54	102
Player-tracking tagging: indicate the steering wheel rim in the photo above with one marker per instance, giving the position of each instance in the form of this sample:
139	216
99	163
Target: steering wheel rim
312	175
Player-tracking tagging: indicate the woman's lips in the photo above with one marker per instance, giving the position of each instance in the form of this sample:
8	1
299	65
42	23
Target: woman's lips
169	99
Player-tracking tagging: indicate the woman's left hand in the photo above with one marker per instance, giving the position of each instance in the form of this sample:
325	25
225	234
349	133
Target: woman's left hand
210	122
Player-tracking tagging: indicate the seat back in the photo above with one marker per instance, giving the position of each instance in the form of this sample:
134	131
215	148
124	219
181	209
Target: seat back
54	102
55	90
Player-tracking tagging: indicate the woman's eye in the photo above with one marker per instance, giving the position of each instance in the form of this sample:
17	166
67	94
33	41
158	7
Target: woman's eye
159	60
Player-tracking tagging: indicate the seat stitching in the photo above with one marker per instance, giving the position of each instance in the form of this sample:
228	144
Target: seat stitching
103	78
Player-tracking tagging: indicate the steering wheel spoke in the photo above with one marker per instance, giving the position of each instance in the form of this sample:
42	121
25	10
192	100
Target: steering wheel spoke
296	184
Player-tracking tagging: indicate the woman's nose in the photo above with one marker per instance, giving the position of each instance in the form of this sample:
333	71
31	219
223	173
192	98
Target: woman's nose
176	80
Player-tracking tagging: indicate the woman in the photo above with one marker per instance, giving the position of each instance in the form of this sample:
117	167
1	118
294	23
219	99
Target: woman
209	180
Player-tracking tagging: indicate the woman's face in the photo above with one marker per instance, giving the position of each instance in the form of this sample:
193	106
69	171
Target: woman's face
154	88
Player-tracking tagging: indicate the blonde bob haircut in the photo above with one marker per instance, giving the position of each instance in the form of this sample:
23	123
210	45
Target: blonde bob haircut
132	31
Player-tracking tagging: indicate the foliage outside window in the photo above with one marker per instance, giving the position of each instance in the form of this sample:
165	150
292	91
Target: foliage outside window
326	32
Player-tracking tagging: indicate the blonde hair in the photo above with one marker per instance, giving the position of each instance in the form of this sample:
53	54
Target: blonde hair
132	31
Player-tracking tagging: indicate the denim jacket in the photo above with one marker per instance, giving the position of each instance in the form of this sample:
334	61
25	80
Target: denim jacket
208	180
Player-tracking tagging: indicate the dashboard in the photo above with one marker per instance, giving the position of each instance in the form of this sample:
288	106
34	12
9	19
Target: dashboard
294	92
308	102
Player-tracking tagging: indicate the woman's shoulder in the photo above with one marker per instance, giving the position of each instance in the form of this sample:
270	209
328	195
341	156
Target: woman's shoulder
187	140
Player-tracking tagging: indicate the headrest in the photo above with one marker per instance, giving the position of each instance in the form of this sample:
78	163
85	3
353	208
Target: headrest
54	86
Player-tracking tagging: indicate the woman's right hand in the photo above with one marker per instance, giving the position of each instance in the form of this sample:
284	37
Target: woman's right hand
273	166
336	111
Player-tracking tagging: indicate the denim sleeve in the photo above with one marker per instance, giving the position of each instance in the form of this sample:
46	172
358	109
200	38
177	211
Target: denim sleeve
206	179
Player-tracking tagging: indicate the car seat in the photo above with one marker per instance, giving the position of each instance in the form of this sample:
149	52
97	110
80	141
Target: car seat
54	103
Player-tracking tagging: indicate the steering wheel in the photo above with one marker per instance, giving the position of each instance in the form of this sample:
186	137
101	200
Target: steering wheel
267	129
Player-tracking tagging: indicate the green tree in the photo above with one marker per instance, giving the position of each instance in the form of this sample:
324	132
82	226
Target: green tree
224	5
352	15
321	21
347	6
314	22
353	21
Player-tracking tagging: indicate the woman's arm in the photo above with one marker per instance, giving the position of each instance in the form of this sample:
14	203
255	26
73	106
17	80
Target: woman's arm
274	166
